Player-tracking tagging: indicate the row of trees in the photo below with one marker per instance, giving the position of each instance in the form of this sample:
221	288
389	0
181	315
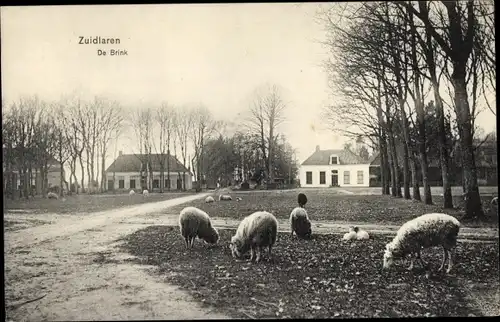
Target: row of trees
79	134
389	60
70	132
256	145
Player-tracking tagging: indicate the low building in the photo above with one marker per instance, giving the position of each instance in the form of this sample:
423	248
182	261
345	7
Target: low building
13	178
334	168
125	173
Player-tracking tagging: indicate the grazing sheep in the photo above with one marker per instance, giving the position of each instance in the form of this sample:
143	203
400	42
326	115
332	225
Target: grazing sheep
494	201
300	223
255	232
194	222
225	197
238	199
52	195
361	234
434	229
302	199
132	192
145	192
350	235
209	199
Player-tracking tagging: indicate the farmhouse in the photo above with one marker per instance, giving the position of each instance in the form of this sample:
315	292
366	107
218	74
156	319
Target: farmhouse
125	172
337	168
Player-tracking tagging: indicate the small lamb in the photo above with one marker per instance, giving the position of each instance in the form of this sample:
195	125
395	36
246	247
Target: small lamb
351	234
132	192
194	222
209	199
52	195
255	232
225	197
434	229
145	192
300	223
361	234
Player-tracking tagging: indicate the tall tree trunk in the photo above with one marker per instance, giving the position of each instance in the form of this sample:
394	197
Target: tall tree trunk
396	185
103	170
168	163
444	156
82	167
392	172
473	205
415	181
61	179
382	165
407	163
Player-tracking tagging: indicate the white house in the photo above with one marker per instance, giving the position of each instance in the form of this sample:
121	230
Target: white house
327	168
124	173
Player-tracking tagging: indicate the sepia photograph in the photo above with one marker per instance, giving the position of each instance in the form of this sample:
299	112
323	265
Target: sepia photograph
250	161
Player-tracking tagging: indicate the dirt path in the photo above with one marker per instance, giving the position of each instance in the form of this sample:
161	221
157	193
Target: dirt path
74	266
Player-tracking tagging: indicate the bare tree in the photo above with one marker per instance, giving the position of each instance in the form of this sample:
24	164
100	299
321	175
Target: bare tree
182	128
165	119
457	42
111	118
142	123
203	127
267	114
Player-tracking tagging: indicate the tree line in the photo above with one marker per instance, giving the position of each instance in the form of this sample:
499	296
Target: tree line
79	133
208	149
412	76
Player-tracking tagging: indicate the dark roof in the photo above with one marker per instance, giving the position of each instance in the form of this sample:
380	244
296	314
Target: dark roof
322	157
132	163
51	161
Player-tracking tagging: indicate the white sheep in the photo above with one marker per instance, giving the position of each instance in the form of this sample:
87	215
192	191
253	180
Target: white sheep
361	234
52	195
434	229
209	199
132	192
494	201
194	222
225	197
145	192
238	199
350	235
255	232
300	223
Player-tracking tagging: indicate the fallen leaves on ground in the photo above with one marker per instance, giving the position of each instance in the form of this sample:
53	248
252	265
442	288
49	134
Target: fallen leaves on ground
318	278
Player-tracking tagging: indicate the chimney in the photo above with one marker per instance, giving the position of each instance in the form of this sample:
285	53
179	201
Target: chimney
120	153
317	148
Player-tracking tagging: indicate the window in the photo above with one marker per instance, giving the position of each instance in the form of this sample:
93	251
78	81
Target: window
334	160
322	177
167	183
360	177
132	183
309	177
347	177
156	184
121	184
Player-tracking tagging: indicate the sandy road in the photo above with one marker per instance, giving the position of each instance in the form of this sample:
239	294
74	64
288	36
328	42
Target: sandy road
75	272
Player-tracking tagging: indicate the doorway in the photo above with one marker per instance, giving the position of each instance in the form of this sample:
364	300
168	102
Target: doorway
335	178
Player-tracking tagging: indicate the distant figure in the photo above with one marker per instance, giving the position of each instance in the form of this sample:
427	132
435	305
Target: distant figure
302	199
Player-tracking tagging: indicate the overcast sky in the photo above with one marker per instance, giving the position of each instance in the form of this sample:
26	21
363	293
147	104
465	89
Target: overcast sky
213	54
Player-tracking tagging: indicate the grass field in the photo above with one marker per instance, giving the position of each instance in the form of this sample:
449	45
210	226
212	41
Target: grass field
324	205
318	278
85	203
